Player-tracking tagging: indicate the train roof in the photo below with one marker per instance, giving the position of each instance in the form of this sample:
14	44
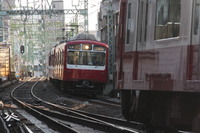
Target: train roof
83	36
80	38
87	41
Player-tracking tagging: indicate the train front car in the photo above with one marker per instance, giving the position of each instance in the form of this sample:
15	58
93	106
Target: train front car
86	66
158	63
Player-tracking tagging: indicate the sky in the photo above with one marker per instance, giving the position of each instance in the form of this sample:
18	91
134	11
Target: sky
93	8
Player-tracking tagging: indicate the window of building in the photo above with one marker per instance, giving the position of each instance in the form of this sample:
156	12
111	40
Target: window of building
167	19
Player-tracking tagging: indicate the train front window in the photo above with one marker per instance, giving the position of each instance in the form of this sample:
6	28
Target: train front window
86	58
167	19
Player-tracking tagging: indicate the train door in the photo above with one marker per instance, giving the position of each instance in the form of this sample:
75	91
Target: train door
131	25
127	38
120	44
194	60
134	40
193	74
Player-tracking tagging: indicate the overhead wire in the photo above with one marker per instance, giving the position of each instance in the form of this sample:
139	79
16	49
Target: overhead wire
8	4
92	6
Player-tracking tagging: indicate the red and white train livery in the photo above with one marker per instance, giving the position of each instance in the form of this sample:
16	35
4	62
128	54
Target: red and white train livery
158	63
80	64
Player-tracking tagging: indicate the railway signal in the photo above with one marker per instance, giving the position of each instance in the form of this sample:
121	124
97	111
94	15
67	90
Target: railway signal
22	49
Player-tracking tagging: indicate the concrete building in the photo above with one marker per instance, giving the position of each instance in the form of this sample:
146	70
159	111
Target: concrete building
107	8
52	32
107	31
5	20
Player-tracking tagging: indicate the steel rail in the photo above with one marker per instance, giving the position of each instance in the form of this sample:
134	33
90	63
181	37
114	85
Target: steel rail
50	121
3	127
93	117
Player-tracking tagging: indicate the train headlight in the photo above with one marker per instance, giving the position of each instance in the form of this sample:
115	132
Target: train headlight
87	47
99	48
76	46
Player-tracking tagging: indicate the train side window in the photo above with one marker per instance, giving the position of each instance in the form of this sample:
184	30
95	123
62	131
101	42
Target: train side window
167	19
58	57
60	62
128	24
49	60
63	54
197	18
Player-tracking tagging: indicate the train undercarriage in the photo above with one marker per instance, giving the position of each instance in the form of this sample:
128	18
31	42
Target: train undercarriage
82	86
166	111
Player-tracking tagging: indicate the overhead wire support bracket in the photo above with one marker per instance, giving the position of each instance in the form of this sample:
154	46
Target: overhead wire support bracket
42	12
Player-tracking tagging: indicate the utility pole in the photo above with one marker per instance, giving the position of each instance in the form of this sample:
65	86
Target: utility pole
86	16
110	34
1	22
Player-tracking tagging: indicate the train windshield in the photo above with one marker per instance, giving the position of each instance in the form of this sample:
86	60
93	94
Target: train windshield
86	58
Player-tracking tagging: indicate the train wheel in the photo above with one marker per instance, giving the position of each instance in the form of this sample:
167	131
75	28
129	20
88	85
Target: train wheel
62	86
128	103
103	86
59	84
196	121
99	88
50	80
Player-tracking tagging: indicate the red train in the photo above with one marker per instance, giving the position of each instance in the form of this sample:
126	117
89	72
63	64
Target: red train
80	64
158	63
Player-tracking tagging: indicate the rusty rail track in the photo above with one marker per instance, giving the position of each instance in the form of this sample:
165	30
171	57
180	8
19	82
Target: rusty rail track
57	116
29	108
111	123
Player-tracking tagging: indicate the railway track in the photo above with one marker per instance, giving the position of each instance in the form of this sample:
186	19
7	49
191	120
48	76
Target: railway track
64	119
106	102
88	98
98	100
11	121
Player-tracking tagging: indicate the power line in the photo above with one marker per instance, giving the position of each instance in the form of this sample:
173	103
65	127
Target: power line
8	4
